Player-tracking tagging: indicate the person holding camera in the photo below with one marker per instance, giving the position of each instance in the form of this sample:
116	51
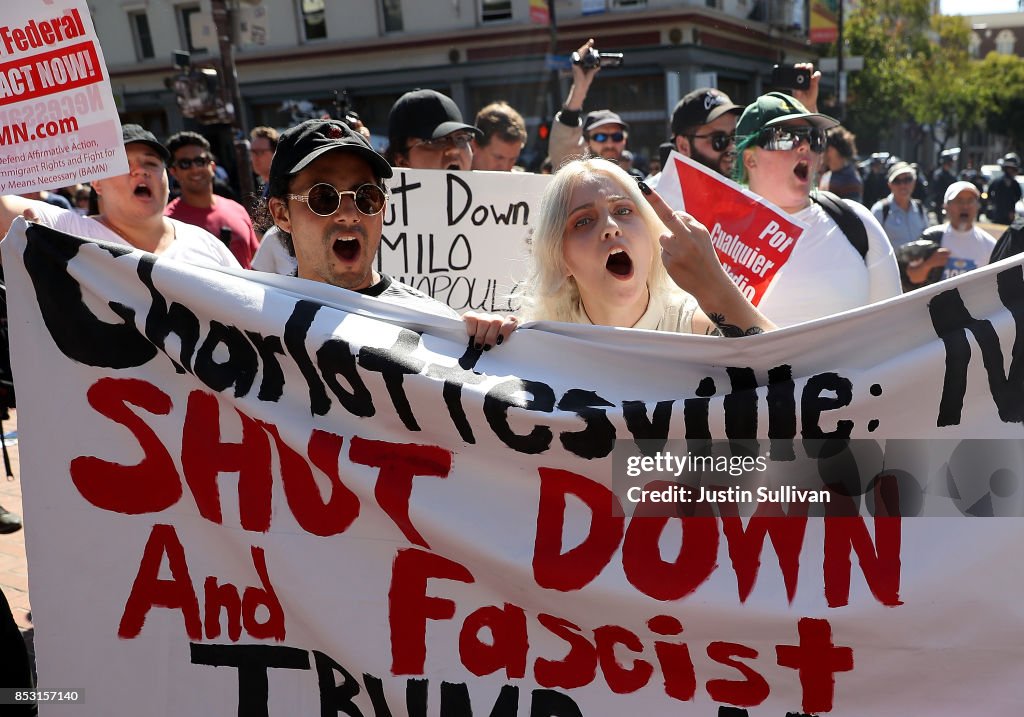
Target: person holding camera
601	133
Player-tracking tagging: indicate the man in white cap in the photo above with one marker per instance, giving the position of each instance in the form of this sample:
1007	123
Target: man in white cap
902	216
960	244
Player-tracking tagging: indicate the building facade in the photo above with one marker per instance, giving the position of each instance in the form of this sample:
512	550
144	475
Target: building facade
292	56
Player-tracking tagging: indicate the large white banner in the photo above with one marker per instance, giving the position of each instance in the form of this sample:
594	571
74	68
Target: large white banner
256	495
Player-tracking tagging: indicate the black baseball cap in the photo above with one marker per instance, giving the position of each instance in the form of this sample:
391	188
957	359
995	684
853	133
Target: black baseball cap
702	106
298	146
136	133
599	118
424	114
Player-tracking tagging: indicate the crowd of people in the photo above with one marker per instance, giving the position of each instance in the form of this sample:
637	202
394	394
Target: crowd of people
605	249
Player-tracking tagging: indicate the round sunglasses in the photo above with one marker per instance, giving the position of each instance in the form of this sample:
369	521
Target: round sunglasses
324	200
720	141
782	139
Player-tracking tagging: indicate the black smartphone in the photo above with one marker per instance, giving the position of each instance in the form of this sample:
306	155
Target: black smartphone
795	78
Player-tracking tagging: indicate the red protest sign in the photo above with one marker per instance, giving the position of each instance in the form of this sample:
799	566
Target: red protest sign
753	237
49	73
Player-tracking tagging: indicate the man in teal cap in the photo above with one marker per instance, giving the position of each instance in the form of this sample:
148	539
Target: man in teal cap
843	259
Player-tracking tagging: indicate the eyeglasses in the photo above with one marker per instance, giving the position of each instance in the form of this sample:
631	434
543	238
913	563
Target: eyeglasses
456	140
324	200
782	139
200	161
720	141
601	137
903	179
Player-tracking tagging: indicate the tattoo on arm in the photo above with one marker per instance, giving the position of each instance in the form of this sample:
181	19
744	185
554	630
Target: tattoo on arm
730	330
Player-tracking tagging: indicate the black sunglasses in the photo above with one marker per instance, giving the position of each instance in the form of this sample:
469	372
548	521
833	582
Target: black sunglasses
782	139
720	141
200	161
605	136
324	200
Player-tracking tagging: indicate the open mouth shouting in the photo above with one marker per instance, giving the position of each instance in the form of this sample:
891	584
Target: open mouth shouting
142	191
619	263
347	249
802	170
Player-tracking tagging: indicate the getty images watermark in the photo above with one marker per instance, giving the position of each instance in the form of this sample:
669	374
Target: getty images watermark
667	462
826	477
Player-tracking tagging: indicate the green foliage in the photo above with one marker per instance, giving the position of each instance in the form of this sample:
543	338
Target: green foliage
1001	79
918	67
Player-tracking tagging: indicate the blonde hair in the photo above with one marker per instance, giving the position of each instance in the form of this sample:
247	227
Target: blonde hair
547	293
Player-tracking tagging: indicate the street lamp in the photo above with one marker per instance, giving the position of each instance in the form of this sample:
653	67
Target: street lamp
223	23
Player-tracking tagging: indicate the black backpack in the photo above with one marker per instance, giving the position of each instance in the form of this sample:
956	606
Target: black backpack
1010	243
849	223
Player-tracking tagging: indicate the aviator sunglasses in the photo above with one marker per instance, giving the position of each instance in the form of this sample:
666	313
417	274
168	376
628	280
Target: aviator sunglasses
781	139
720	141
324	200
605	136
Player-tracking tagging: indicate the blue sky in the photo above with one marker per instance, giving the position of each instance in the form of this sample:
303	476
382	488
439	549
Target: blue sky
977	7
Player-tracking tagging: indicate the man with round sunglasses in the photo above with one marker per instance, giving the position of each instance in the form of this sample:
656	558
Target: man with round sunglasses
426	131
327	196
192	166
779	148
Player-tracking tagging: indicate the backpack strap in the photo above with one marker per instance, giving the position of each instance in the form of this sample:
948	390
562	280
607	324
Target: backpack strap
886	206
849	223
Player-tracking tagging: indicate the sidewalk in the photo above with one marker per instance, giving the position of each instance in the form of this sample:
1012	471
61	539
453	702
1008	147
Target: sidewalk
13	565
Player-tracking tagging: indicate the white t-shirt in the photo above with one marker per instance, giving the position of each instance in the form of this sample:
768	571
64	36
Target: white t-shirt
272	257
191	244
967	250
825	274
673	314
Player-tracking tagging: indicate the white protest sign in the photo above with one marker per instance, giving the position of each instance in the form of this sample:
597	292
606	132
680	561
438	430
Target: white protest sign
460	237
58	122
250	494
752	237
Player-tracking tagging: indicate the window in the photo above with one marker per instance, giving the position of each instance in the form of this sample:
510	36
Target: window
185	13
1005	41
141	35
314	25
975	45
495	10
639	3
392	10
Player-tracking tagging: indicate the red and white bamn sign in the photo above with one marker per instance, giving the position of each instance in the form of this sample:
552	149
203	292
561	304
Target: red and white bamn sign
255	494
752	236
